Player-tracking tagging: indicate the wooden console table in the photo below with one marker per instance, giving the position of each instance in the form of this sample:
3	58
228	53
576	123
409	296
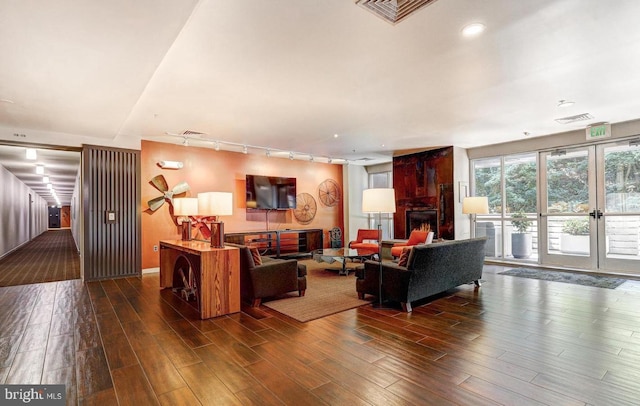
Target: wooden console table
210	275
280	243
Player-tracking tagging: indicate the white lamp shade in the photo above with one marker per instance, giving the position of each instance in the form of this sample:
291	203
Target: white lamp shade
475	205
185	206
379	200
215	204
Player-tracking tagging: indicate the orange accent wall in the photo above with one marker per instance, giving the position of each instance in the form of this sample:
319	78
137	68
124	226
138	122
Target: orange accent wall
207	170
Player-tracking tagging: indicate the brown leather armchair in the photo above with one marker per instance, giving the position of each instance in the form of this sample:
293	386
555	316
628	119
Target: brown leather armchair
366	235
274	277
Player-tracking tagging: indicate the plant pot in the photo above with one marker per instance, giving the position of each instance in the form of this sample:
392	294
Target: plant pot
574	244
521	245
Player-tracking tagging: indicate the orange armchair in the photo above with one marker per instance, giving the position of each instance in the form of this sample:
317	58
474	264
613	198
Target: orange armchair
365	234
416	237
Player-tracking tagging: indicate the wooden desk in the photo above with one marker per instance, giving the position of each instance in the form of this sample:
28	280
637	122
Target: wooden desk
215	273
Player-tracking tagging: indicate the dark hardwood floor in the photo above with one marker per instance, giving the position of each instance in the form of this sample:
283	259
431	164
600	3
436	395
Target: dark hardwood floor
515	341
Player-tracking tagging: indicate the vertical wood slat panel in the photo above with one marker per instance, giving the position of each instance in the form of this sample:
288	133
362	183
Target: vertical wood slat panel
111	183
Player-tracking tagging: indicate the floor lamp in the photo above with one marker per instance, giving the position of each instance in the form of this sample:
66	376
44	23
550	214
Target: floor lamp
475	205
379	200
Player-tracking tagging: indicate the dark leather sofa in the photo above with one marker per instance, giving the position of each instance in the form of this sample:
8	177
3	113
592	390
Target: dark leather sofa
274	277
431	269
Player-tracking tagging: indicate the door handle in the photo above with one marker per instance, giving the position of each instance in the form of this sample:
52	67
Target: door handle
596	214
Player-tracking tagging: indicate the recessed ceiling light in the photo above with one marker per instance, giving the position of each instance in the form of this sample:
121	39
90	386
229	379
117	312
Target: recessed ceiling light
335	135
40	169
45	179
473	30
32	154
565	103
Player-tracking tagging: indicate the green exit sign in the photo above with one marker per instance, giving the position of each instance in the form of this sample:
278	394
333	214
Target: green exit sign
601	130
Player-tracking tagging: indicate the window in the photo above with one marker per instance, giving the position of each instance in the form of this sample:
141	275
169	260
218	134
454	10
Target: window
382	180
510	184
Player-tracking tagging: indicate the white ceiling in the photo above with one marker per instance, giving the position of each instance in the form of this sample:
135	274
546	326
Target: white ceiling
289	74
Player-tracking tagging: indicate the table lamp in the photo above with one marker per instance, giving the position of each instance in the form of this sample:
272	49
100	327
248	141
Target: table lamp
183	208
216	204
379	200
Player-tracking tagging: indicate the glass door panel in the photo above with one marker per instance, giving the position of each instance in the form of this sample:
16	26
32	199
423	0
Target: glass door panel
619	172
568	193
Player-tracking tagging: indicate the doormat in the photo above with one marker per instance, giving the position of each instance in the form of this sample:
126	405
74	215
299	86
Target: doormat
566	277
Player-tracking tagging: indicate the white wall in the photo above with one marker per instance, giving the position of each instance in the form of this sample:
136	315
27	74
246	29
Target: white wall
14	213
460	179
356	179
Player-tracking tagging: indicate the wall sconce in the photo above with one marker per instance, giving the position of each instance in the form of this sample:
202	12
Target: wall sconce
185	207
216	204
170	164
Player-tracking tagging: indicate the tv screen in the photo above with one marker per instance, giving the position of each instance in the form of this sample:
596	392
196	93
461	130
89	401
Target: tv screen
271	192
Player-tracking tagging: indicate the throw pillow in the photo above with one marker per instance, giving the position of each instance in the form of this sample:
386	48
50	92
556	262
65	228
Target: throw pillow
257	259
404	257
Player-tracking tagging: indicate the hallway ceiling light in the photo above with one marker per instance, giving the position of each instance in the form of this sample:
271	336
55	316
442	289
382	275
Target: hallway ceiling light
40	169
45	179
49	186
32	154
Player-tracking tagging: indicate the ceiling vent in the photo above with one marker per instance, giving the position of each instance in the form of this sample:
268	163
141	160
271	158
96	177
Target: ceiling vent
189	133
393	11
573	119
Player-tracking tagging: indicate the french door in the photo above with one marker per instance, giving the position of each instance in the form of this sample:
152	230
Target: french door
590	207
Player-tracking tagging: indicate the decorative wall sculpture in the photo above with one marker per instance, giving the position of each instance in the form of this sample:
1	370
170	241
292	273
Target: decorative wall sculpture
160	183
329	192
306	208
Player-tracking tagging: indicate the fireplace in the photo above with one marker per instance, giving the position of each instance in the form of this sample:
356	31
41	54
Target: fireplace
415	219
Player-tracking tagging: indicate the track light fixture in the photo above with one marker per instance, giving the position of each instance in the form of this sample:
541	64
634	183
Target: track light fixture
217	144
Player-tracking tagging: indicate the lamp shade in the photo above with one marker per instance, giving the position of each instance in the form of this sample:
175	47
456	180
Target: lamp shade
215	204
475	205
379	200
185	206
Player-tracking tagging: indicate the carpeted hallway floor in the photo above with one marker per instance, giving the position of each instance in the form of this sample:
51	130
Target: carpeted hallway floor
51	256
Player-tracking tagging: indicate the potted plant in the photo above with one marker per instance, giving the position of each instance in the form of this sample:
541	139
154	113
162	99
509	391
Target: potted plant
575	236
520	238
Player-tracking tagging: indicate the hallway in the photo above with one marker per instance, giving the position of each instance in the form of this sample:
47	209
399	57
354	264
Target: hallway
51	256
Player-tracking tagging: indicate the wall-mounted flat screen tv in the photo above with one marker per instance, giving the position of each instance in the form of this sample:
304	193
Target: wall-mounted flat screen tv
271	192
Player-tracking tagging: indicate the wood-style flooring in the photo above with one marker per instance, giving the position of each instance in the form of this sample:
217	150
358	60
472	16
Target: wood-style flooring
514	341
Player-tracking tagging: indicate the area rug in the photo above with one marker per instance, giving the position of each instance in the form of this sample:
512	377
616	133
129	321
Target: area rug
566	277
327	293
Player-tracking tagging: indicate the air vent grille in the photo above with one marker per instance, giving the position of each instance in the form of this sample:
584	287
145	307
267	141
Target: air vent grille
187	133
573	119
393	11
